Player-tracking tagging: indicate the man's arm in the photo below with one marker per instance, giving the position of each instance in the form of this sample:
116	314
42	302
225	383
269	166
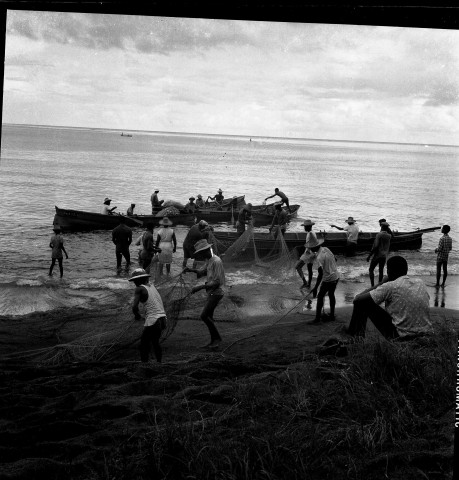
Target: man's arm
63	249
336	226
319	279
271	196
374	249
174	241
140	295
114	238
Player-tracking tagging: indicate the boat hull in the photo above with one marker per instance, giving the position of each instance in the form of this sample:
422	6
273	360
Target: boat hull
80	221
335	241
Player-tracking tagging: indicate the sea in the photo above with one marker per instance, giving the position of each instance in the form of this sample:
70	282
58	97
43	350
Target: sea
411	185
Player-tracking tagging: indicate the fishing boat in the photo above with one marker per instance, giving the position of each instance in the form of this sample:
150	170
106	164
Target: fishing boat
79	221
270	209
126	134
335	241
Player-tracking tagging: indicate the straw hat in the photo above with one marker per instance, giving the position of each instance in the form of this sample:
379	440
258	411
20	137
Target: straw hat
166	222
384	223
314	242
308	222
107	200
138	273
199	195
202	224
201	245
351	219
220	190
156	190
191	198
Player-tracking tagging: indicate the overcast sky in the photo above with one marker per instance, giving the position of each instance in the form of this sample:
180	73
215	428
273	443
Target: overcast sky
232	77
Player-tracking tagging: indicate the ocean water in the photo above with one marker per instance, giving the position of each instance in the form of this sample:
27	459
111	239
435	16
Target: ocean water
412	186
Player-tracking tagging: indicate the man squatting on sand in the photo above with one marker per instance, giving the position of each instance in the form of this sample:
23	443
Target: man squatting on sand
155	315
406	312
215	286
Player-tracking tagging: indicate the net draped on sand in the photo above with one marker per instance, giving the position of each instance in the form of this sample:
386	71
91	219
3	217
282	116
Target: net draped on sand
107	335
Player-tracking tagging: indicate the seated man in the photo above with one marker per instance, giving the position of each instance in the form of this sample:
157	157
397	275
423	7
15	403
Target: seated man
200	203
406	312
190	207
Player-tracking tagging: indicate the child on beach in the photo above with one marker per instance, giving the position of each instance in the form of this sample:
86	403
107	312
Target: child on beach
444	247
155	315
57	245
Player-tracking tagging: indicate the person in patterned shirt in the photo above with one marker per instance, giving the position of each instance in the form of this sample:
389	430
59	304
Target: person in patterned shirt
406	312
215	286
444	247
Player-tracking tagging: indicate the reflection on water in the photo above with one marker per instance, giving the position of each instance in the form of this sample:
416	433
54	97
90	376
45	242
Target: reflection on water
440	297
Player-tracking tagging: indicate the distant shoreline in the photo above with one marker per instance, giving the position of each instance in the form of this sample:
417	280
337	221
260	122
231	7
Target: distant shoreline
252	137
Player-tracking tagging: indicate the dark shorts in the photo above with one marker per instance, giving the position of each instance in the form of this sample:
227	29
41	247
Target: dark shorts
327	287
188	251
381	261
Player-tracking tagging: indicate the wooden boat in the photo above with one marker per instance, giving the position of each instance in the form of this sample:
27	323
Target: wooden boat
335	241
226	204
78	221
126	135
270	209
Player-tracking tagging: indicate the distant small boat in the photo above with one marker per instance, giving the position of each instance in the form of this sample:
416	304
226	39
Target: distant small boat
125	134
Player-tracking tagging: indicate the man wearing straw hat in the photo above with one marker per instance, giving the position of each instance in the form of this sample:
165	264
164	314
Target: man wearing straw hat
352	231
106	210
218	197
327	279
308	256
215	286
155	315
200	203
190	207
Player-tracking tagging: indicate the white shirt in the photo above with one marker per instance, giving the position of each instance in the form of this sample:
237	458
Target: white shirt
154	307
352	232
407	302
326	260
105	210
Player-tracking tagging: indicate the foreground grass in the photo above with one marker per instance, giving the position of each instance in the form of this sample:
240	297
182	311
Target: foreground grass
384	411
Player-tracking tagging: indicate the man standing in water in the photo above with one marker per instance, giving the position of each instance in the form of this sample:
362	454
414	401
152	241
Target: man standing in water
379	252
57	245
327	279
284	198
155	315
352	231
308	256
244	216
215	286
445	245
122	238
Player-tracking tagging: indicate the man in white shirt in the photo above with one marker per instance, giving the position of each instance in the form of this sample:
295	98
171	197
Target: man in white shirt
406	312
308	256
352	231
106	210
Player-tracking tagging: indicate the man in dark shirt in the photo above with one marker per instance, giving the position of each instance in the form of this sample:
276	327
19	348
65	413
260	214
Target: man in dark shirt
155	202
122	238
379	252
280	218
245	216
197	232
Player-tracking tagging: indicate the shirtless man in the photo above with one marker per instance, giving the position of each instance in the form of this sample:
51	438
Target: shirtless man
284	198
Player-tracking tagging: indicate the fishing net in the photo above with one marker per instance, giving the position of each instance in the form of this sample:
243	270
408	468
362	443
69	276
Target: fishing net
266	250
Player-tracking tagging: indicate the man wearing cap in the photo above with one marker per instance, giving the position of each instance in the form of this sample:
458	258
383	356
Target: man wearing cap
106	210
218	197
200	203
308	256
155	315
327	279
190	207
283	197
244	217
155	202
57	245
389	231
215	286
130	210
280	219
406	313
379	252
122	238
197	232
352	231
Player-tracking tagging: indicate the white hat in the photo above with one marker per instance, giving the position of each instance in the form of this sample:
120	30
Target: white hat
166	221
201	245
308	222
314	243
138	273
107	199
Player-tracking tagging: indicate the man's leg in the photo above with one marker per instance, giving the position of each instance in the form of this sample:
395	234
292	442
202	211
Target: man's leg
207	316
331	296
157	328
380	318
127	257
373	264
310	274
145	342
119	256
320	300
382	262
445	272
299	268
438	273
61	267
288	205
53	262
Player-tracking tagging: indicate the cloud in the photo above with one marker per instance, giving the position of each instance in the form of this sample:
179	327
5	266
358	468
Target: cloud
141	33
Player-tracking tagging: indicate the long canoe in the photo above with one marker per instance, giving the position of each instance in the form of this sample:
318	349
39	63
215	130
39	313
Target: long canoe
335	241
270	209
78	221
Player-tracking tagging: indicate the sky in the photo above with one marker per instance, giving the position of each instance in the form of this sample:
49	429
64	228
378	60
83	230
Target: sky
347	82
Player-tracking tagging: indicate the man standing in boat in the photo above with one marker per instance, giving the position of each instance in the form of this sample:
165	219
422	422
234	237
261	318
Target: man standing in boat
283	197
218	198
244	216
352	231
280	219
200	202
190	207
130	210
106	210
155	202
122	238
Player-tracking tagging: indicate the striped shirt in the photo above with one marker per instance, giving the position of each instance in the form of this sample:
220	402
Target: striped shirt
445	245
215	272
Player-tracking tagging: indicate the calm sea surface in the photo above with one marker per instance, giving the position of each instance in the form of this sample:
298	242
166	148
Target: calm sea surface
412	186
